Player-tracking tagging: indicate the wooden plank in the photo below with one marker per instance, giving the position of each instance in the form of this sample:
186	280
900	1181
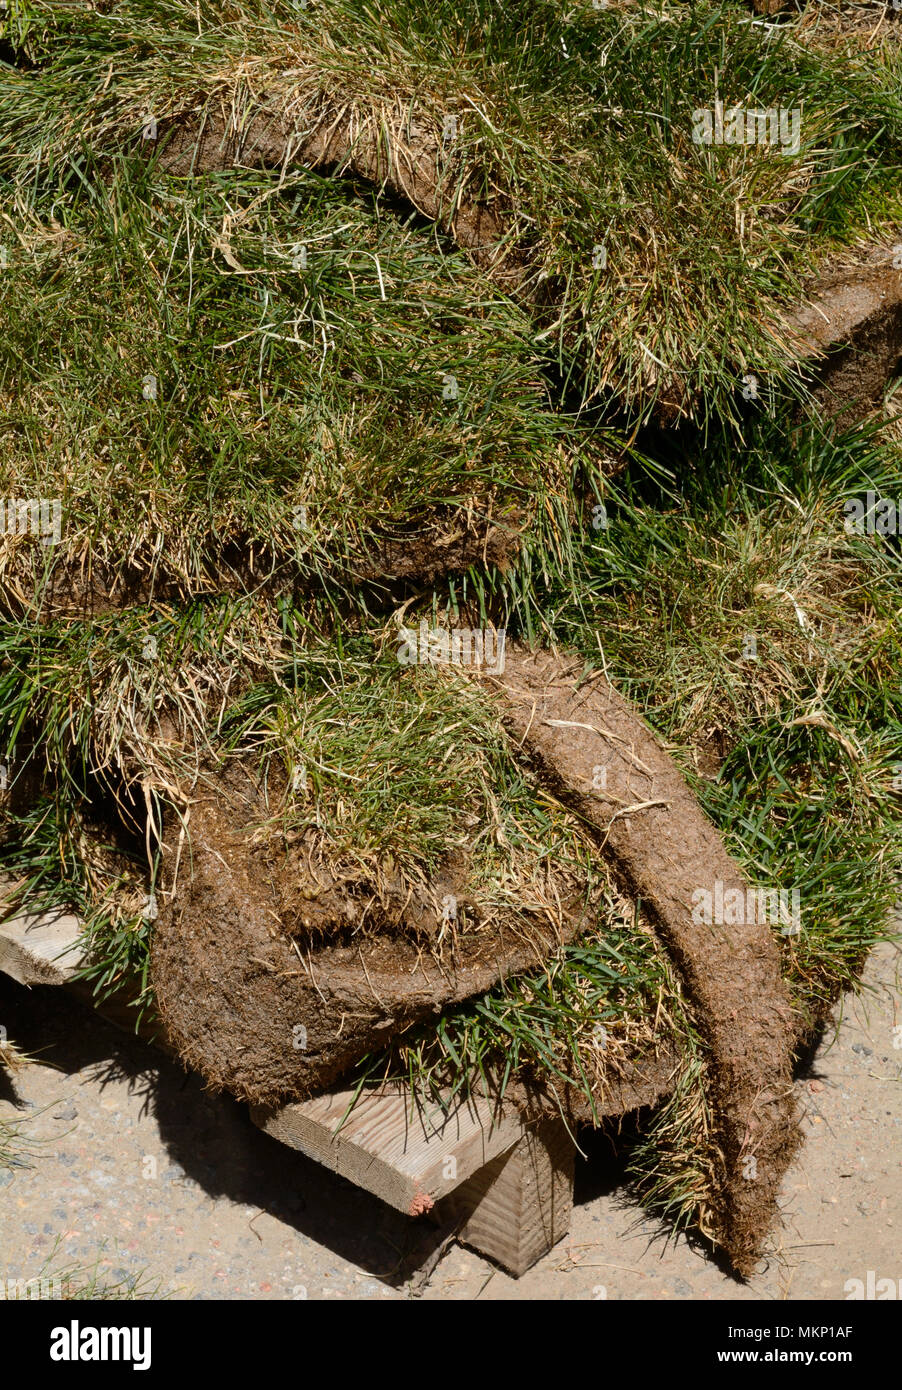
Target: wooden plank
40	948
519	1205
409	1157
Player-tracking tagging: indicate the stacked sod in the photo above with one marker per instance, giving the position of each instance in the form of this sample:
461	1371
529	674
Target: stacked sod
305	361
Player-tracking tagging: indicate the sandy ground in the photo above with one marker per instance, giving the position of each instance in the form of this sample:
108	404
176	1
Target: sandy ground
138	1173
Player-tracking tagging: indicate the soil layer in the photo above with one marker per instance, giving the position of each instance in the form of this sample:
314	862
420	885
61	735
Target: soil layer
606	764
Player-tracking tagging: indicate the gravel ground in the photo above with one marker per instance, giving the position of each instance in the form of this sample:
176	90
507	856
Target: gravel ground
138	1173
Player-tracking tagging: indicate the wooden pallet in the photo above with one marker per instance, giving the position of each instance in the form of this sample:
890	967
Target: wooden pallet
506	1186
509	1187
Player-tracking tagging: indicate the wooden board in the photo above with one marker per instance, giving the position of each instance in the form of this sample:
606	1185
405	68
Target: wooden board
408	1157
40	948
518	1207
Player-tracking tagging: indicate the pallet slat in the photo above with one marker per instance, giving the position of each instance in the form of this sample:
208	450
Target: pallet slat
40	948
410	1158
518	1207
